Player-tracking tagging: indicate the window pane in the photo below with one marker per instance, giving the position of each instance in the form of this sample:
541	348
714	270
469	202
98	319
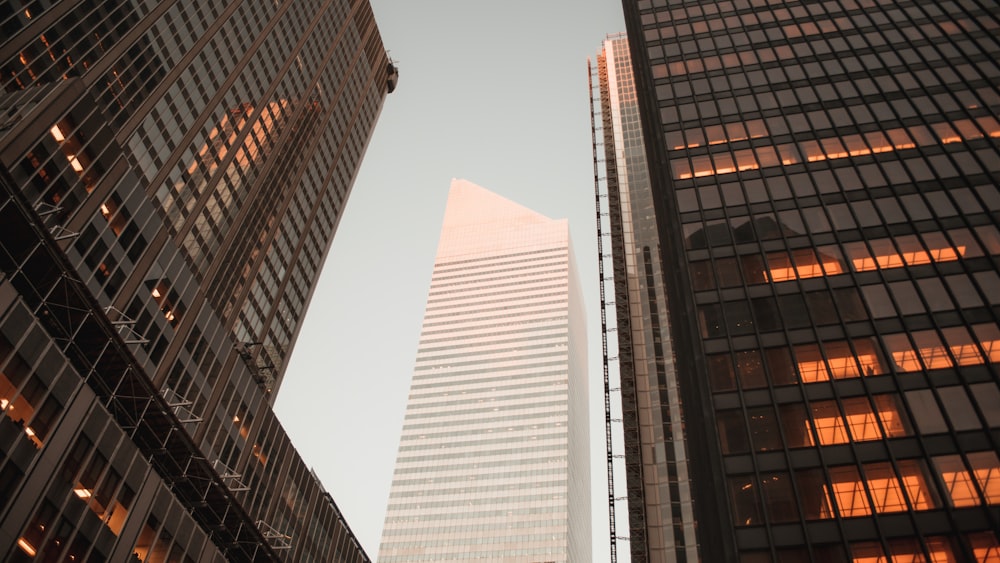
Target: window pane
779	498
959	408
732	432
764	430
925	411
986	469
849	491
987	396
957	480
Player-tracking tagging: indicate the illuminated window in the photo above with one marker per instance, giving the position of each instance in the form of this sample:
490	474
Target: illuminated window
985	547
828	423
957	480
849	492
988	336
986	469
887	494
841	362
932	352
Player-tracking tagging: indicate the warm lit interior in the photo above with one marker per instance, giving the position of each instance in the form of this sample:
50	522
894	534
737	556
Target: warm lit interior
830	148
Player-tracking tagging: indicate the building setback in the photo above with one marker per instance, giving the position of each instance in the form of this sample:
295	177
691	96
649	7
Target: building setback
825	183
172	175
493	460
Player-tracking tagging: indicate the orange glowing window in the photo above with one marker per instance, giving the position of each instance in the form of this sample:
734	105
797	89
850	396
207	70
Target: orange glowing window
957	481
789	154
879	142
985	547
849	492
901	139
988	336
812	371
990	125
843	367
828	424
723	164
946	133
745	160
813	151
856	145
887	495
906	360
986	469
968	129
861	420
833	148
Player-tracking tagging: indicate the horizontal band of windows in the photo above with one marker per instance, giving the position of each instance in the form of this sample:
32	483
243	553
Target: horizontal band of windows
497	534
516	303
526	412
471	390
830	260
459	323
395	521
493	554
463	383
502	437
494	366
486	352
474	286
443	278
519	306
558	353
832	148
516	257
436	491
555	319
472	526
557	415
517	456
495	500
559	331
524	290
495	400
498	478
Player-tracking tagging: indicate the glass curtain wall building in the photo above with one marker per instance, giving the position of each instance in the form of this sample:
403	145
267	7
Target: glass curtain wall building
172	175
660	517
493	460
825	180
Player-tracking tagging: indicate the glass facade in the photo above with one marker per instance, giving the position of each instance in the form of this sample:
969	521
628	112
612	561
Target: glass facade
172	175
825	181
493	460
661	522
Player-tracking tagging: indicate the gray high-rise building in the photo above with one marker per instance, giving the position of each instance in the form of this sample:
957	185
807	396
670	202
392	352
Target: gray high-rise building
172	174
824	179
493	460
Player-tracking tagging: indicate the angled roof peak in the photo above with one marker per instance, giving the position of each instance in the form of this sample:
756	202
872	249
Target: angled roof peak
472	204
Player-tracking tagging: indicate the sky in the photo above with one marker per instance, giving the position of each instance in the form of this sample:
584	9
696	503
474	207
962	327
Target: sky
492	92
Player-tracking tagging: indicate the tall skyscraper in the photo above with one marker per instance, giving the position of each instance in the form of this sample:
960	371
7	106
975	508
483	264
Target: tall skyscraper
662	521
825	186
172	175
493	460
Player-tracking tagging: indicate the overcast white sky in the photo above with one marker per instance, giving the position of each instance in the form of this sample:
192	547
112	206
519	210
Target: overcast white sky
493	92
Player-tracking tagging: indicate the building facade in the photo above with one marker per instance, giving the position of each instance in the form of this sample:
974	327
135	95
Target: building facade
493	460
825	183
660	519
172	174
